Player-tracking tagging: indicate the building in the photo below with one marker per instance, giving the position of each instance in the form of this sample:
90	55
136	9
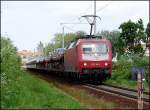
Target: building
146	48
25	55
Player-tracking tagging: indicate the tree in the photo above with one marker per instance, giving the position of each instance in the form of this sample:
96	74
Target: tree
132	33
49	48
40	48
147	32
69	37
104	33
9	58
80	33
140	32
129	32
58	40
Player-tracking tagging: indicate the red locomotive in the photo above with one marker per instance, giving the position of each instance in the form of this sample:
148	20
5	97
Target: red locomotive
85	58
89	58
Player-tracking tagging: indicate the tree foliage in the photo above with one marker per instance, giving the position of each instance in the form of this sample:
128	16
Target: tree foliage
80	33
140	32
48	48
132	34
129	32
10	70
147	32
9	57
57	42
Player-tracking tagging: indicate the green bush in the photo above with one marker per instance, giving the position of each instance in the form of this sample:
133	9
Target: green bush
121	71
122	68
10	69
23	91
143	62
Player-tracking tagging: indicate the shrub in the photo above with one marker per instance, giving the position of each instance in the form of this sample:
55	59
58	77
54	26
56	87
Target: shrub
10	69
122	68
10	62
142	62
23	91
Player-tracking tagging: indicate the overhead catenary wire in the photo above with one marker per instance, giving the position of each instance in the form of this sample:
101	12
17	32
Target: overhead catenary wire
106	5
78	17
102	8
70	28
81	13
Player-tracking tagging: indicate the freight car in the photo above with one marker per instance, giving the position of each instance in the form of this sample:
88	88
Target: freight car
85	58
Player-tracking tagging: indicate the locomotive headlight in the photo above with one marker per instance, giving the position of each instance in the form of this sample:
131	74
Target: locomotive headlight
95	54
85	64
106	64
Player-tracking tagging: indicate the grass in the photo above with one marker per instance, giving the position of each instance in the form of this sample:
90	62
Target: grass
126	83
86	99
32	93
20	90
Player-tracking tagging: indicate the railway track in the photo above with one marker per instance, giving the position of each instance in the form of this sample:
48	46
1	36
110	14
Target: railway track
147	93
123	97
119	91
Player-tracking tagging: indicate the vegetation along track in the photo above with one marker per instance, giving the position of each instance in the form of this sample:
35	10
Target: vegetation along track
120	96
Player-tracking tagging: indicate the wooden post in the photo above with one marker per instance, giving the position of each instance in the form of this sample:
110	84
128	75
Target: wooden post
140	91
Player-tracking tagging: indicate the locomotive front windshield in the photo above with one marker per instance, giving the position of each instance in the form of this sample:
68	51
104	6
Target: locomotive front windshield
94	51
99	48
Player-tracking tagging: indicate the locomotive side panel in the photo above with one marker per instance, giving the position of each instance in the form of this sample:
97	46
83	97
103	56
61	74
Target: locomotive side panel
70	60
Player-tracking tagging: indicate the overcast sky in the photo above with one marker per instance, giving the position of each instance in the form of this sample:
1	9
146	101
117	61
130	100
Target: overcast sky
28	22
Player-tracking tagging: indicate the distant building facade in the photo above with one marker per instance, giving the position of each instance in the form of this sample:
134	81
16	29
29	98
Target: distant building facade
26	55
146	48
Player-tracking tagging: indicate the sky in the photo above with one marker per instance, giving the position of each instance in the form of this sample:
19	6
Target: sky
27	23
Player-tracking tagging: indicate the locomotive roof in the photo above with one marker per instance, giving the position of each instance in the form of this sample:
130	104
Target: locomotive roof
93	40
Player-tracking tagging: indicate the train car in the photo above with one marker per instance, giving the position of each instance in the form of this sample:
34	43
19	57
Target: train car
85	58
89	59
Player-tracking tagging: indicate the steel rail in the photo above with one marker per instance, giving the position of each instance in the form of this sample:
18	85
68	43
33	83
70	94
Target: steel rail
148	93
127	93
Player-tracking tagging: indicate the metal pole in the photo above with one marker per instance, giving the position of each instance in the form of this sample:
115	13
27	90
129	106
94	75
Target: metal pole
63	37
140	91
63	28
95	17
91	29
34	52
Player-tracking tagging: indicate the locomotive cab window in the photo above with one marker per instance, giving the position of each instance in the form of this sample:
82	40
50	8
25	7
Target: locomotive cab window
87	49
73	44
99	48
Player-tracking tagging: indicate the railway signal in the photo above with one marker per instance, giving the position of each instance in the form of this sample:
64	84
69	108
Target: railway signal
140	84
139	72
